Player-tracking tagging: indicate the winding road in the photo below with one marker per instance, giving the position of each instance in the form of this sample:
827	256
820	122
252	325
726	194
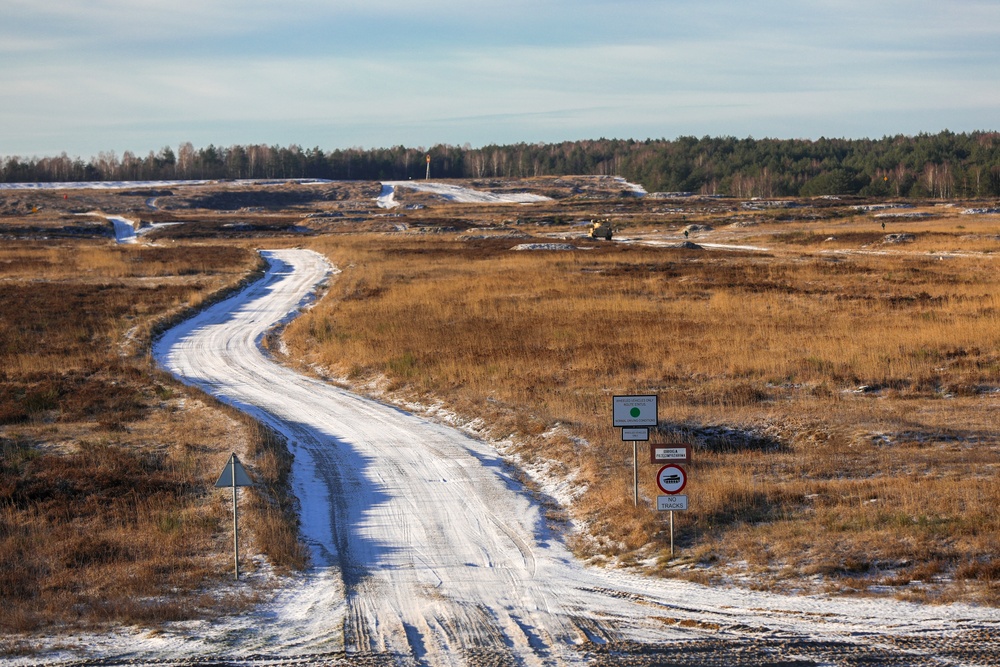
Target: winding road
426	551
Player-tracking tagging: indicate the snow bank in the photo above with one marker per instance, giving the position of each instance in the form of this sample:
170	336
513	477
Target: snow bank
387	198
124	229
634	187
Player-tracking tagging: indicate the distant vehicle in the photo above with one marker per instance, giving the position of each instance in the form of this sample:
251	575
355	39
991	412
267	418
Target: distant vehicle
600	229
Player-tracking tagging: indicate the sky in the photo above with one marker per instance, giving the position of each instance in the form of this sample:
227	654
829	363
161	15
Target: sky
85	76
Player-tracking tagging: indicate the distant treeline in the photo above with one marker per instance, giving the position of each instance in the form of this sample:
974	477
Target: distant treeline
927	165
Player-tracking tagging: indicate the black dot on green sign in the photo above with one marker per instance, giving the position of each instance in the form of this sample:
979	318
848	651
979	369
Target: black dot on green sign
635	412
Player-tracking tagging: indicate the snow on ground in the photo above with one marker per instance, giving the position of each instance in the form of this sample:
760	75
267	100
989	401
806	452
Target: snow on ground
387	197
545	246
122	185
672	241
455	193
425	547
634	187
97	185
124	229
729	246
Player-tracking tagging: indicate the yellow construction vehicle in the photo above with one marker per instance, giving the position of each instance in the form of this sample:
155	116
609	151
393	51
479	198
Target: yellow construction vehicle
600	229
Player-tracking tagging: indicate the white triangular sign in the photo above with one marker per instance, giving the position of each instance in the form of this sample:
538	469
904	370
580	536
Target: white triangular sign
234	469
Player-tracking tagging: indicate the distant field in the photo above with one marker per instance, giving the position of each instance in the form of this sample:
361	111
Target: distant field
839	380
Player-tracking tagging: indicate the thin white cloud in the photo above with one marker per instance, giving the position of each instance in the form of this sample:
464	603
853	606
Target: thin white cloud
84	70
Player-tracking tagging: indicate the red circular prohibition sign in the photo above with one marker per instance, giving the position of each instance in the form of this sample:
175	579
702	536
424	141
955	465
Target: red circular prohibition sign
671	479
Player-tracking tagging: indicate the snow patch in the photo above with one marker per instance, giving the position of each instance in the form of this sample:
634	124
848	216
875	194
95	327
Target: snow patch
635	188
545	246
455	193
124	229
387	198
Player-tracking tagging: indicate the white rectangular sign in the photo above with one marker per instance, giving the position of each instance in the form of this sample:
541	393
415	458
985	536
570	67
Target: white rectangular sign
669	453
676	503
634	434
635	411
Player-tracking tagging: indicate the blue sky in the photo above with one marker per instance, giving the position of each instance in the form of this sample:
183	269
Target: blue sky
102	75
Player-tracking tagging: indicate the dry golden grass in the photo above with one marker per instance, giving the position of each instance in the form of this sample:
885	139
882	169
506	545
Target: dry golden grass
757	358
107	507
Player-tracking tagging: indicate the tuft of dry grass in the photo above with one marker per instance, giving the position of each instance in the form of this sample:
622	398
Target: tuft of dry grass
840	403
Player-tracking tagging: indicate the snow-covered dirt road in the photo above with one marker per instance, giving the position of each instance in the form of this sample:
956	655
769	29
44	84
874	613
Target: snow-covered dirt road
427	552
454	193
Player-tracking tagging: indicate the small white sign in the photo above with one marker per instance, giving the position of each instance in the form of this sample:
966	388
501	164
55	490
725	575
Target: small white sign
634	434
671	503
634	411
670	453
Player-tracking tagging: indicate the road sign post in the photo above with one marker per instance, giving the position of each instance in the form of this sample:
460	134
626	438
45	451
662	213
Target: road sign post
635	473
672	478
234	475
634	414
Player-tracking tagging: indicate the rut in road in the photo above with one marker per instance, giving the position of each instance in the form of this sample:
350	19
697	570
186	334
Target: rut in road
424	548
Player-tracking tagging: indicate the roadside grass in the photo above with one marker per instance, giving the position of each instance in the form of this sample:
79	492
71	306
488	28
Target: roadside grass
107	465
841	405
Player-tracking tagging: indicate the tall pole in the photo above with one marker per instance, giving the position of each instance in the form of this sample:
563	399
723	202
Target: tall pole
236	531
671	533
635	473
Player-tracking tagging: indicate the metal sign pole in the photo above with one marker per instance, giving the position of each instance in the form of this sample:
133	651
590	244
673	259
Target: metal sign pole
635	473
671	533
234	475
236	532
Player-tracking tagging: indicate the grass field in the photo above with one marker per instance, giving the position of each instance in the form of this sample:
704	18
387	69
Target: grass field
839	391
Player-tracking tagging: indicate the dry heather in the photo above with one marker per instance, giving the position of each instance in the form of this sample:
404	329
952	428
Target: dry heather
107	512
840	394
